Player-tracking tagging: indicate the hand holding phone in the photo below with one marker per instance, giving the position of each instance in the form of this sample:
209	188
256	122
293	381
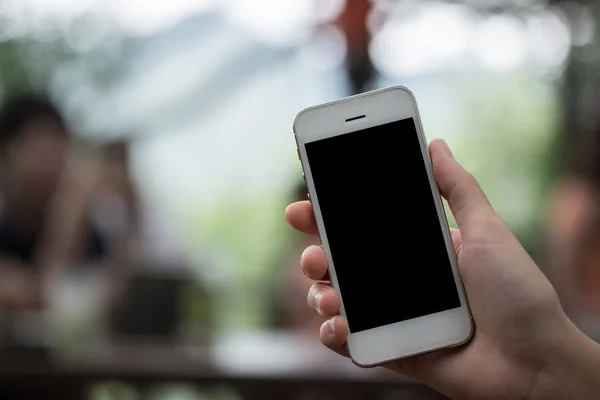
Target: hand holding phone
523	346
371	149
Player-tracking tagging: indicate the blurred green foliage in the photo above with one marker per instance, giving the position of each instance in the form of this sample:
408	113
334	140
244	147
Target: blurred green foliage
511	123
113	391
30	63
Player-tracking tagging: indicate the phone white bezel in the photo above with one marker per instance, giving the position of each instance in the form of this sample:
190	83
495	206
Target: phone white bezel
407	338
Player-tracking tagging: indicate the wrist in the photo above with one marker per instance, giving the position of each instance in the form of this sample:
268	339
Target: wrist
572	371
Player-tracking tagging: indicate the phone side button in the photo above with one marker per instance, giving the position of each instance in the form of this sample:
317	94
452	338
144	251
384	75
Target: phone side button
298	152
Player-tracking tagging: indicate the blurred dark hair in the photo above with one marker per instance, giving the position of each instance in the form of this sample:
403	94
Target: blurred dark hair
18	110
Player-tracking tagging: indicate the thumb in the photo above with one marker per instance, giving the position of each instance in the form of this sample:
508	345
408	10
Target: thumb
465	198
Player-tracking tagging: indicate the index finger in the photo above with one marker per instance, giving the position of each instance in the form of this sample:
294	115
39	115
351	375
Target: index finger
300	216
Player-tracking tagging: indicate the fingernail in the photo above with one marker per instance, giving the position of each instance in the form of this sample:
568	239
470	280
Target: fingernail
447	148
329	327
317	300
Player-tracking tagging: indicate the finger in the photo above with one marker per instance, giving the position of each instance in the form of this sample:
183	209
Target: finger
465	198
323	300
334	333
314	263
301	217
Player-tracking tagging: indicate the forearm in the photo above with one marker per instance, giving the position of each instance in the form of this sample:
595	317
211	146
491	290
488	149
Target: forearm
575	373
62	231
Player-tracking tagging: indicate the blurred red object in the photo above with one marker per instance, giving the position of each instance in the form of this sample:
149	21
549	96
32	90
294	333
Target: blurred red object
353	22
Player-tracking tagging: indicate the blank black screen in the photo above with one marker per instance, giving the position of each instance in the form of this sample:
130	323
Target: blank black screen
382	225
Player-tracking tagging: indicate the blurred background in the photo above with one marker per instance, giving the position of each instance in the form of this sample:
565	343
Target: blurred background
146	157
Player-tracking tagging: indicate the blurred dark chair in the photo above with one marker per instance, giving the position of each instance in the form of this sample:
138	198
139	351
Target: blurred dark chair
151	307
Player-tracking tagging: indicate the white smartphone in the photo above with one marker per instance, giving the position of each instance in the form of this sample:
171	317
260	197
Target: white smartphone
383	226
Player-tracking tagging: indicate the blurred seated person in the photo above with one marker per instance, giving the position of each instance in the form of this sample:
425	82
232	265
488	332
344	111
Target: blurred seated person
573	237
120	212
45	221
292	285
